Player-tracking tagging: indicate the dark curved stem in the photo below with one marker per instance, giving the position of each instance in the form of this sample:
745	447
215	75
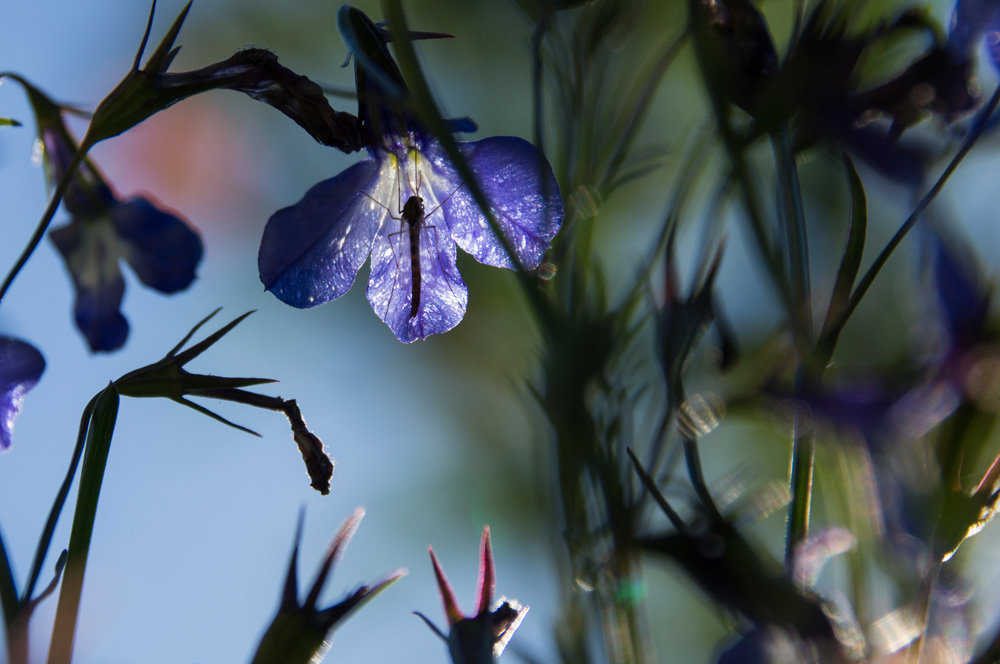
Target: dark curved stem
982	122
43	224
57	505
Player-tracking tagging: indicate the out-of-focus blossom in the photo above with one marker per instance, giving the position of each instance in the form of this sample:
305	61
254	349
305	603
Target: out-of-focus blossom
407	207
962	295
971	21
160	247
481	637
739	60
299	633
21	365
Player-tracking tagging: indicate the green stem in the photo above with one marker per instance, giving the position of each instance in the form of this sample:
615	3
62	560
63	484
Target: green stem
798	251
57	505
801	483
17	645
536	78
95	459
50	211
800	317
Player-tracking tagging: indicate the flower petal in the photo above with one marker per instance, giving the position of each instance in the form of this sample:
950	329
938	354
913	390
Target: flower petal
964	302
89	249
162	249
440	294
20	367
311	251
521	188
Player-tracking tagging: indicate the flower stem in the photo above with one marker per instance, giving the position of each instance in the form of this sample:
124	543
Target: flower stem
50	211
50	524
800	317
98	446
17	645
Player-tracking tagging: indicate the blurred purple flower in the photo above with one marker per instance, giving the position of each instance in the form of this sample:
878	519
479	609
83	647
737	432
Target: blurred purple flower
21	365
972	20
407	207
159	246
481	637
963	297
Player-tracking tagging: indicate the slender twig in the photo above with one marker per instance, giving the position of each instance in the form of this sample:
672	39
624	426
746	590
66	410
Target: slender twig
803	447
974	133
57	505
43	224
97	447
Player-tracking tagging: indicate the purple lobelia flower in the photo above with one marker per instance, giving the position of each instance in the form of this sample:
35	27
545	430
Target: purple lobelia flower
21	365
160	247
407	207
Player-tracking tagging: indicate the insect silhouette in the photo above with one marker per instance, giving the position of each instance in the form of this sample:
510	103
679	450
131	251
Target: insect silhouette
412	218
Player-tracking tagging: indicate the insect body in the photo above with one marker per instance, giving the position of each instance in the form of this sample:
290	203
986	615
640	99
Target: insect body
414	227
413	217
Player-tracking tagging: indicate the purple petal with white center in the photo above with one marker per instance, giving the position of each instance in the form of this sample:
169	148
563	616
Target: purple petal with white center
441	295
521	188
91	255
160	247
21	365
311	252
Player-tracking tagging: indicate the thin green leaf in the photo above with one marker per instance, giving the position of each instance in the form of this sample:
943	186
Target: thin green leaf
8	589
849	265
43	224
215	416
203	345
9	122
165	51
145	37
50	524
654	491
639	100
95	459
187	337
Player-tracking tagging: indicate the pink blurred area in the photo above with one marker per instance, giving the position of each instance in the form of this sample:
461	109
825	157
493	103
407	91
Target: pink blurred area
196	156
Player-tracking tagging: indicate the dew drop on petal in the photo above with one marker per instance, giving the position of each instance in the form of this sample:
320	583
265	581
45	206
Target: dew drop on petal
12	407
37	152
